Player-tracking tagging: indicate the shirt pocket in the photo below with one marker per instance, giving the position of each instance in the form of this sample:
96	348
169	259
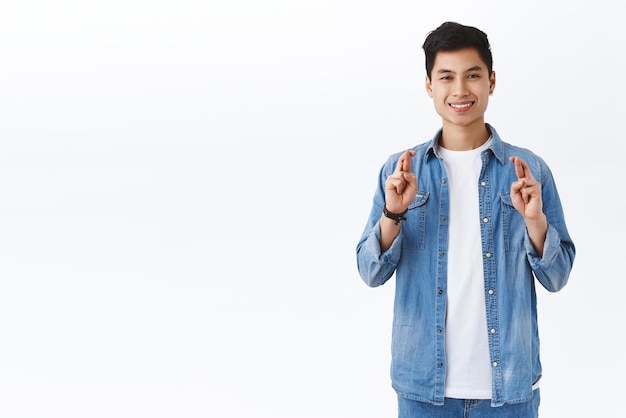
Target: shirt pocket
414	228
513	225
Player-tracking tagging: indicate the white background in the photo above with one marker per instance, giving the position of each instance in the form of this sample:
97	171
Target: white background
183	184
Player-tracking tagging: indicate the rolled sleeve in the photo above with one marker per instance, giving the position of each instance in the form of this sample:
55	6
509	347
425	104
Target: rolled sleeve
552	270
377	267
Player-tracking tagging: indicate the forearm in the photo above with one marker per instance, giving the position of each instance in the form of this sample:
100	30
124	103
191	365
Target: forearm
537	230
389	230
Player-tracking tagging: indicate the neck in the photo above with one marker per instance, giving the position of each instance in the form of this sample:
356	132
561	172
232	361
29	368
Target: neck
463	138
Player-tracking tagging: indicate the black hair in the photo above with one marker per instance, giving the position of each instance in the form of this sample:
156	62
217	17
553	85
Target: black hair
452	36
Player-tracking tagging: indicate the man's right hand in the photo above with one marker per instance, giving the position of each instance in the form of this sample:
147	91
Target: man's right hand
401	185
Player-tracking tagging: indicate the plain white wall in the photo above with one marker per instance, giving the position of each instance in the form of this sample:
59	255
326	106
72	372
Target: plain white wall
183	184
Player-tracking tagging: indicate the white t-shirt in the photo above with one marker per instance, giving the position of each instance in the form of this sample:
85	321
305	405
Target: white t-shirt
468	374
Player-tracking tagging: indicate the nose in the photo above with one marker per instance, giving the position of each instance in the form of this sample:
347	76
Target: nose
460	87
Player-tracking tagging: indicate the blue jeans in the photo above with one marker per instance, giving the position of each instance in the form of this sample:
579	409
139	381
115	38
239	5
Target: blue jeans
468	408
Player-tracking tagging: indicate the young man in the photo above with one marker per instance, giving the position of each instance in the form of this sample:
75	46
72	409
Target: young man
466	222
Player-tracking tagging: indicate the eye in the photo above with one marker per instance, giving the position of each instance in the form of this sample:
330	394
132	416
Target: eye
473	76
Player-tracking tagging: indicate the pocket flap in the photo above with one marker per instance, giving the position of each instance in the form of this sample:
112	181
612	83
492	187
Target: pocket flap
420	199
506	199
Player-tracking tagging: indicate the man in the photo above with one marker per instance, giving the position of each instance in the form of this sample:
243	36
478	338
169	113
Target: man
466	222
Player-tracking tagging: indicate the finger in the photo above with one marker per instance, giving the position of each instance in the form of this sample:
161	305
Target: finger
399	164
411	184
519	167
395	184
525	170
411	179
404	162
517	186
407	160
533	190
528	175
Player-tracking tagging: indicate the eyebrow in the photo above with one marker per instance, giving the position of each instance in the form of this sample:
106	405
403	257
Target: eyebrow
474	68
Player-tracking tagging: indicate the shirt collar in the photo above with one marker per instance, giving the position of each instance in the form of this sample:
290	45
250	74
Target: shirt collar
496	147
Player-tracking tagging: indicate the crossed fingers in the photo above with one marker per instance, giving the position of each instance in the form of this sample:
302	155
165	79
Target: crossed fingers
525	180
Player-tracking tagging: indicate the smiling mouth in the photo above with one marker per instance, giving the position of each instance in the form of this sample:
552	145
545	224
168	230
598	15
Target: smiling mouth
461	106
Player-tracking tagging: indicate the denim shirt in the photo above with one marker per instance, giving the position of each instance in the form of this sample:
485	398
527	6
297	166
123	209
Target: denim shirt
418	257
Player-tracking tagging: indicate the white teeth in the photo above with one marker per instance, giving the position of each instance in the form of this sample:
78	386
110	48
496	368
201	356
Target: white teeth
460	106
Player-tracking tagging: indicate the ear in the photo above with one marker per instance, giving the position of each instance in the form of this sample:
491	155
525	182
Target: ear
492	82
429	87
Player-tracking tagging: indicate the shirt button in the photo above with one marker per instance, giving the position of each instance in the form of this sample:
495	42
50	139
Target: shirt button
488	255
443	219
483	183
441	254
485	220
440	292
490	292
495	364
493	330
444	181
439	364
439	331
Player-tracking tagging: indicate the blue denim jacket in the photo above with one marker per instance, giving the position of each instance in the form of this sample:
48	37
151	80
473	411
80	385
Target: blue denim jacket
419	259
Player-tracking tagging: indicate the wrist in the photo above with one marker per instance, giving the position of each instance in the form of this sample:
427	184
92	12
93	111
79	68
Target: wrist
539	222
395	216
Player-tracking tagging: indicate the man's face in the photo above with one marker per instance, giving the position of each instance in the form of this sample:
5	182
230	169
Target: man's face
460	86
